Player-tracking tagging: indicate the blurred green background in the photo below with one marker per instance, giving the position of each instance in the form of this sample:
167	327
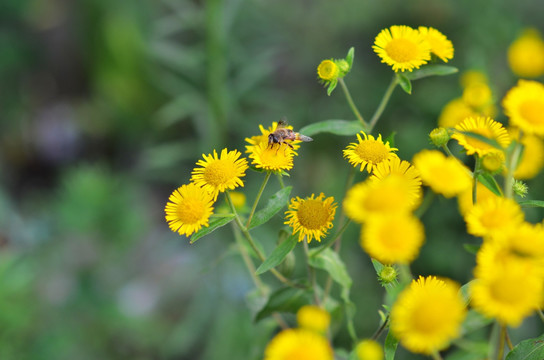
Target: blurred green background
105	106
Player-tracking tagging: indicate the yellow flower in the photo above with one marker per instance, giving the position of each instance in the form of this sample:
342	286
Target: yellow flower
402	168
477	95
464	200
393	239
454	112
369	350
267	157
402	48
188	209
493	216
531	161
393	194
328	70
238	199
494	161
298	344
525	241
313	318
485	127
526	54
311	217
218	174
440	45
444	175
471	77
428	315
506	288
368	152
524	105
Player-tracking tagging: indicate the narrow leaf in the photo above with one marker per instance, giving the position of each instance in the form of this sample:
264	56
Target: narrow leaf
337	127
350	56
489	182
531	203
531	349
474	321
274	204
378	266
405	83
286	299
432	70
278	254
332	86
390	346
330	261
214	224
471	248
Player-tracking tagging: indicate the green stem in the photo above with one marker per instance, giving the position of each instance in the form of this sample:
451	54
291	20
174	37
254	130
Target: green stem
249	239
502	337
508	340
311	273
425	204
383	103
447	150
511	167
249	264
405	274
436	355
540	315
333	239
352	104
263	185
475	179
381	329
280	179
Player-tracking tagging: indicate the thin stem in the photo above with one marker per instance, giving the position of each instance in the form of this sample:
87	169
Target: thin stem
500	350
263	185
447	150
381	329
333	239
383	103
436	355
352	104
540	314
508	340
249	264
475	179
311	273
341	218
512	164
405	274
425	204
280	179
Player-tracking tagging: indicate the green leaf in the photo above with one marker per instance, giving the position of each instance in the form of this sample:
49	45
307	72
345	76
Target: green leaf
330	261
274	204
286	299
471	248
390	346
405	83
337	127
278	254
489	182
332	86
431	70
350	56
531	203
530	349
391	139
474	321
378	266
214	224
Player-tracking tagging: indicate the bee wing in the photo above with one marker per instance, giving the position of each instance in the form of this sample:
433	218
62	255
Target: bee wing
304	137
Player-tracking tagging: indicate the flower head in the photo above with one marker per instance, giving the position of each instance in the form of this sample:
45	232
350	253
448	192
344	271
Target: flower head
328	70
311	217
524	105
444	175
485	127
531	161
188	209
272	158
526	54
368	152
402	168
440	45
493	216
494	161
313	318
402	47
369	350
298	344
428	314
394	194
454	112
218	174
393	239
477	95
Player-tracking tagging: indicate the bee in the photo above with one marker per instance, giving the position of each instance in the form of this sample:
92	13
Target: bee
282	134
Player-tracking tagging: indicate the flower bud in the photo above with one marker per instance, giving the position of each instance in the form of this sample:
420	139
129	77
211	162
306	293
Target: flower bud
439	136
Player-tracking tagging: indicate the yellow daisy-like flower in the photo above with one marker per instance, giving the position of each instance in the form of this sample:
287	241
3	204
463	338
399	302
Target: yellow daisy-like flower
394	194
485	127
454	112
464	199
298	344
477	95
525	241
524	105
218	174
398	167
508	290
393	239
369	350
471	77
494	161
272	158
313	318
531	161
526	54
368	152
328	70
428	315
311	217
444	175
493	216
402	48
188	209
440	45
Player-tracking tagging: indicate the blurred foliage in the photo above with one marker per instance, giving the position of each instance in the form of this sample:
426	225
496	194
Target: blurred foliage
104	108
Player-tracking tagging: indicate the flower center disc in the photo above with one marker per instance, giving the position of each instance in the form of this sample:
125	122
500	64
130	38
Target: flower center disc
401	50
312	214
372	151
190	211
218	172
